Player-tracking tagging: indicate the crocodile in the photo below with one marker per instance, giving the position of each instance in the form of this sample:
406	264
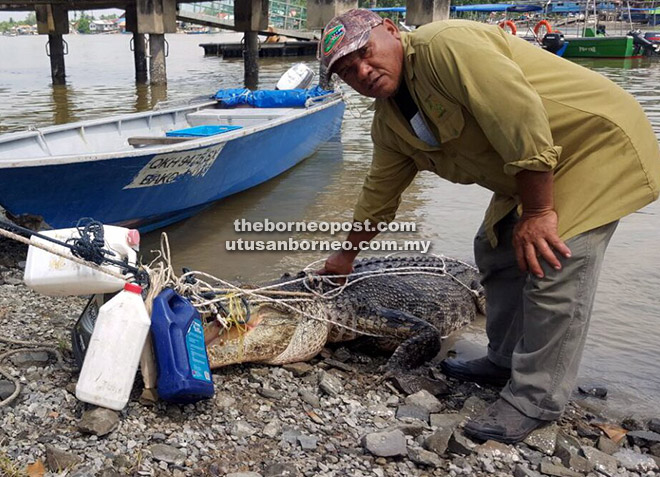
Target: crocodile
405	303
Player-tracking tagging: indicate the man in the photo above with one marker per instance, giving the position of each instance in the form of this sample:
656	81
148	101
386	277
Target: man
566	152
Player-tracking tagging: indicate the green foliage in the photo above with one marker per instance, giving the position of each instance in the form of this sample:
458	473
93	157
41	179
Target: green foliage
83	25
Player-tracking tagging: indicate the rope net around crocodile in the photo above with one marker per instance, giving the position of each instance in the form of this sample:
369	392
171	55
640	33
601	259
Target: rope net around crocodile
226	302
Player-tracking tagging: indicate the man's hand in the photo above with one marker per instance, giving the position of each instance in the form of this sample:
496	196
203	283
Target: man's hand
339	263
535	235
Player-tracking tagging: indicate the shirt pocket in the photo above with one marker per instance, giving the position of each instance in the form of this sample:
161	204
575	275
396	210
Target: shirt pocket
444	116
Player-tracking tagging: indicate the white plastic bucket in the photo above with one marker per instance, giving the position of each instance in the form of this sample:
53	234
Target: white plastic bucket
51	274
112	358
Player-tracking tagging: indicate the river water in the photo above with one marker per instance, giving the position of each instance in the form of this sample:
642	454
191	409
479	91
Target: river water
622	351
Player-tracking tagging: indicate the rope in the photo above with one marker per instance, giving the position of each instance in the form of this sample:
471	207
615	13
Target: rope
55	251
208	293
28	346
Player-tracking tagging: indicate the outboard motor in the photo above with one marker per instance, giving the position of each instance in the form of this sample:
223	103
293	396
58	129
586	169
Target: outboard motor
553	42
644	44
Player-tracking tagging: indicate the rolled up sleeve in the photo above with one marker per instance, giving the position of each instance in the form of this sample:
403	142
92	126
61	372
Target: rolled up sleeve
491	86
391	172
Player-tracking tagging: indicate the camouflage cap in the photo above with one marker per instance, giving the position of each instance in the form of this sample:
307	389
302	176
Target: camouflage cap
345	34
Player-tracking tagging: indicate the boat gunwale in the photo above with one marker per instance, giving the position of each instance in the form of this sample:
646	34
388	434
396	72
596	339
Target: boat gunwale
320	104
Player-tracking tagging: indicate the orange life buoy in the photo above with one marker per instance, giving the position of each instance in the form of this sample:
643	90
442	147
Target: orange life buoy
509	26
542	23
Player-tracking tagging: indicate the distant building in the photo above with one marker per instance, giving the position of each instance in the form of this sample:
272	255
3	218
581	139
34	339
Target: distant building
103	26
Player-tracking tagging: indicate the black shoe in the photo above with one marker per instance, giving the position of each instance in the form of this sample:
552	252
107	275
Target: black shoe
502	422
481	371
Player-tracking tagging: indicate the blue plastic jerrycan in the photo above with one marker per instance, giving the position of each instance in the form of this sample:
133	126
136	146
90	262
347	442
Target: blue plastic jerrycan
184	375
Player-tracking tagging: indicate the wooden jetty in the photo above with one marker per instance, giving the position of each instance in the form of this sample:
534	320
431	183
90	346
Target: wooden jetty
151	20
266	50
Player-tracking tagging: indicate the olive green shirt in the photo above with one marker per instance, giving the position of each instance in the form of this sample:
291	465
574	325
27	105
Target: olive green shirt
497	105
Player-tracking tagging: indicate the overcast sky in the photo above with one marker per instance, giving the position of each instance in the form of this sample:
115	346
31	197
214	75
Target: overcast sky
4	16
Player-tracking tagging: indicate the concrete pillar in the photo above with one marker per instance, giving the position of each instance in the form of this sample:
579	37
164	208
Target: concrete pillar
157	69
53	20
251	16
320	12
140	58
155	17
251	59
420	12
56	49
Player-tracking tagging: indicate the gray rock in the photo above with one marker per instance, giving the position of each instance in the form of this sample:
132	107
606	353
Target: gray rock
299	369
643	438
272	429
632	423
522	471
425	400
168	454
331	385
587	431
6	389
410	384
558	470
655	450
413	429
244	474
412	412
473	406
459	444
342	354
280	470
270	393
310	398
631	460
497	450
424	457
290	436
439	440
158	437
385	444
568	450
98	421
339	365
307	442
59	460
242	429
607	445
31	358
532	456
600	460
224	400
593	390
543	439
654	425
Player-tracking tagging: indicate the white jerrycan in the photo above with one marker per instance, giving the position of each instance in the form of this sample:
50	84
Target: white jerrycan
51	274
112	358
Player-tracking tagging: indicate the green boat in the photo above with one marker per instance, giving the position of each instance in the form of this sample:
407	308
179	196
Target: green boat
597	45
600	47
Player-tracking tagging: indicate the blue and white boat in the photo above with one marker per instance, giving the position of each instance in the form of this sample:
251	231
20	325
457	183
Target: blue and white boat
150	169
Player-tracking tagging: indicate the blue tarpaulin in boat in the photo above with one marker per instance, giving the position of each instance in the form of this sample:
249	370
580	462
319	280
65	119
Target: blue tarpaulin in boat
268	98
497	7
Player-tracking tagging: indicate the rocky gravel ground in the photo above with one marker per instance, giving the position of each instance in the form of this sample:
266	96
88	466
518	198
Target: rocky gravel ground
328	417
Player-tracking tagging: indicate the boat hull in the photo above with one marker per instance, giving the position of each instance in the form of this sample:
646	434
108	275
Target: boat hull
150	190
600	47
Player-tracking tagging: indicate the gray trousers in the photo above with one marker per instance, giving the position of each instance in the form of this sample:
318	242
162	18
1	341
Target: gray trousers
538	326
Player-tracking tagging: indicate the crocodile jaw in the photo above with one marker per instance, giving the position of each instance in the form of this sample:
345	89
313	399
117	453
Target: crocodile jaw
266	336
